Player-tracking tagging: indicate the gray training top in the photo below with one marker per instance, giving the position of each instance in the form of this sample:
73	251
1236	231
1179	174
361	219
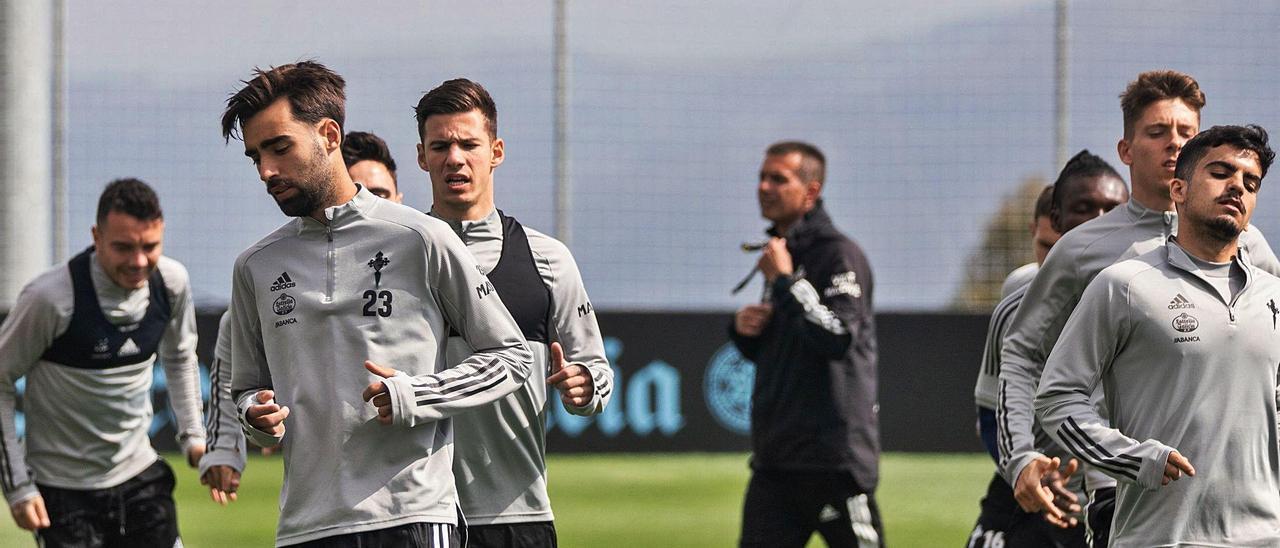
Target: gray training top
381	282
1181	368
1123	232
987	389
87	428
499	458
226	445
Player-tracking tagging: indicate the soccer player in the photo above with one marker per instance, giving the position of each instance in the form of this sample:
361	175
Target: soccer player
86	336
499	459
1161	112
1087	187
354	279
1178	340
370	164
815	437
223	463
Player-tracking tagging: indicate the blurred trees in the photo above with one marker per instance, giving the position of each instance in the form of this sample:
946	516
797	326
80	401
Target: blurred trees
1006	245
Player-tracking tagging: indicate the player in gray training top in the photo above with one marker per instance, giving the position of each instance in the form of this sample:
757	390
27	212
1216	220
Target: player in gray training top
1183	342
1086	188
355	279
86	336
1161	113
223	463
499	462
986	388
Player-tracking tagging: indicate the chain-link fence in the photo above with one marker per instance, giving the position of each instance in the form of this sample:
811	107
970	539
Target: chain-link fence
931	116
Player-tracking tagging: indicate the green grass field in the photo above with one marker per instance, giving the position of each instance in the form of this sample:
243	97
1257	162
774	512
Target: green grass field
630	500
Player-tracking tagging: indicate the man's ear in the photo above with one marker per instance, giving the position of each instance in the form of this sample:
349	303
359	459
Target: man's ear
812	191
1125	153
331	133
1178	191
422	157
498	152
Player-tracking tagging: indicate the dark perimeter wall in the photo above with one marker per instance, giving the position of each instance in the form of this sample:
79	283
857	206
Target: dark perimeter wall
682	387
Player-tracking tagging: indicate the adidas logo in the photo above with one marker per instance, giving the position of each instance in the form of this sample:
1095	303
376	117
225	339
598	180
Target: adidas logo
283	282
828	514
1180	302
129	348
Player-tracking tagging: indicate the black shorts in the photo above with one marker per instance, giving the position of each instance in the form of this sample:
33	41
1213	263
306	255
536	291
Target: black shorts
783	509
1003	523
137	513
1102	510
410	535
541	534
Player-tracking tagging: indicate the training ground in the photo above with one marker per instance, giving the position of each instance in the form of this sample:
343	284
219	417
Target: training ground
631	501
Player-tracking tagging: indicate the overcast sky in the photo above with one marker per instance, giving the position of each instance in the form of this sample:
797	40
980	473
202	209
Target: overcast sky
929	113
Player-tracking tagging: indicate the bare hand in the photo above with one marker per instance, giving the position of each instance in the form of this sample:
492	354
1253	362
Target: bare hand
377	394
30	514
775	260
751	319
267	416
1175	467
1034	493
1063	498
193	455
574	382
223	481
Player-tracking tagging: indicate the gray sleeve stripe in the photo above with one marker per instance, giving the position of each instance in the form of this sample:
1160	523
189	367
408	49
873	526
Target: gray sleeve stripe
1002	418
995	335
1072	435
814	311
602	383
445	387
458	396
1072	445
212	422
1071	422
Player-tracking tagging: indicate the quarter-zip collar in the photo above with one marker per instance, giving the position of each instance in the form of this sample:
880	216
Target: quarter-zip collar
1179	259
1138	212
485	228
342	214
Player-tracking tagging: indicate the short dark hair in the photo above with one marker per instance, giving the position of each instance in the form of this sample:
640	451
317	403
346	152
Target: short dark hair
1248	137
1084	164
1044	203
314	93
813	164
1158	85
131	197
362	145
455	97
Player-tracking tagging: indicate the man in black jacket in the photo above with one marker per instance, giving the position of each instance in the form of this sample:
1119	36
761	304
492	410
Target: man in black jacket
814	414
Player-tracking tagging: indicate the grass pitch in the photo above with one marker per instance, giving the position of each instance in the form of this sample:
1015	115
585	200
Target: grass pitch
663	500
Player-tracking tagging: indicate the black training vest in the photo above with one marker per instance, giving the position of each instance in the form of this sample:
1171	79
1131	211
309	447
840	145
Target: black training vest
516	278
92	342
518	283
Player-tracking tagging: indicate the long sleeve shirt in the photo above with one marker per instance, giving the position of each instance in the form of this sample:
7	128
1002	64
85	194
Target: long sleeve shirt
226	441
88	428
499	458
1123	232
380	282
1182	367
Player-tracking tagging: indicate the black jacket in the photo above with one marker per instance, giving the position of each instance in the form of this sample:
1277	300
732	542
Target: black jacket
814	406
